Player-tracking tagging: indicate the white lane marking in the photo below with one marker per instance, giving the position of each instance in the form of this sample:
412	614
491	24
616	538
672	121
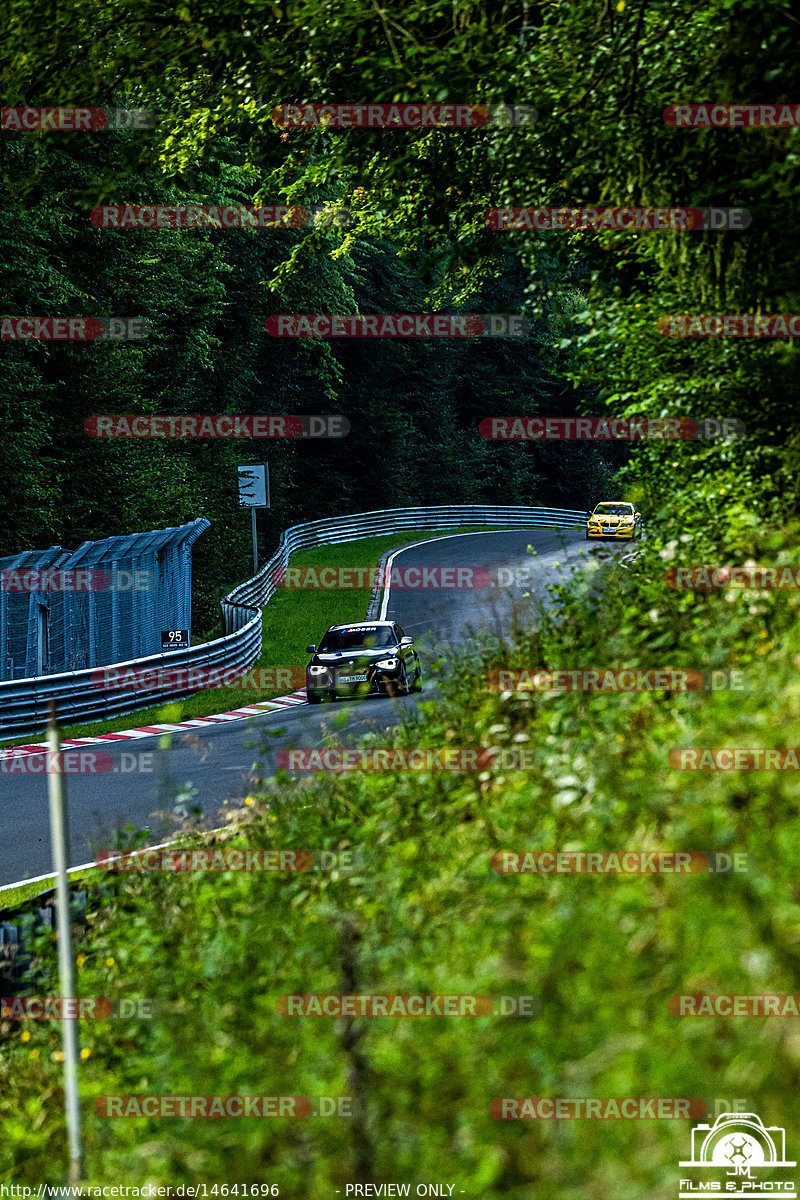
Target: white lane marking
5	887
443	538
95	866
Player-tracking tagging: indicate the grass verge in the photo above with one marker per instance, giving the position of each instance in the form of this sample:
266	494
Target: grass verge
13	897
291	620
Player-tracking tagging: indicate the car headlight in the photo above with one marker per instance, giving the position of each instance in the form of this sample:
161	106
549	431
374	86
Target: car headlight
388	664
317	670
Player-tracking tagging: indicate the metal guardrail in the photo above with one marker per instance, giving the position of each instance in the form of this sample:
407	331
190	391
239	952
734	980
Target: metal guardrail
80	697
261	588
19	927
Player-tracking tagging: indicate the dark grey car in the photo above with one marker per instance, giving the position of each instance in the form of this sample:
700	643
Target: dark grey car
370	657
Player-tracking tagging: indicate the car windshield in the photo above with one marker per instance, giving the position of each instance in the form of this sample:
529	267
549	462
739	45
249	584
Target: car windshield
613	510
367	638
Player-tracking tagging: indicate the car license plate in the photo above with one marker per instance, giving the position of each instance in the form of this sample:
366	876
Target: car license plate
352	679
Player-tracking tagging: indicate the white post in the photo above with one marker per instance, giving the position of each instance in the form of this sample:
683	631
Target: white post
69	1033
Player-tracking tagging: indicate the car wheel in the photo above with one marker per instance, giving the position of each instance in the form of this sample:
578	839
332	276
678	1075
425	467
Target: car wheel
313	698
417	686
401	688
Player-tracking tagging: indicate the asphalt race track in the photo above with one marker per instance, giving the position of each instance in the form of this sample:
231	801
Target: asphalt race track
219	760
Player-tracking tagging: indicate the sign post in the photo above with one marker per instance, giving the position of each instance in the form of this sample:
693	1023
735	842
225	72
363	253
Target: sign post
254	494
60	844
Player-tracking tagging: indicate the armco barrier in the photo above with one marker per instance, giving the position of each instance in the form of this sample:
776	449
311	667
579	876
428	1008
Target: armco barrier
259	590
19	927
24	703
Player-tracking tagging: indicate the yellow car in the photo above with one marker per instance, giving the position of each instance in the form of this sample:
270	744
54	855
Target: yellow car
614	519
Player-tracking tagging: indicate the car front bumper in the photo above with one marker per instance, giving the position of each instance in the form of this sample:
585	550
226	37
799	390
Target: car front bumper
622	534
378	685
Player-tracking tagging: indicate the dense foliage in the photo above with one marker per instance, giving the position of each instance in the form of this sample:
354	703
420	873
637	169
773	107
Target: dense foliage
425	913
413	405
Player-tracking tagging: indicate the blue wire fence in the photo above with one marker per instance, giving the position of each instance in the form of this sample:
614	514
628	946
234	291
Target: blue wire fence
106	602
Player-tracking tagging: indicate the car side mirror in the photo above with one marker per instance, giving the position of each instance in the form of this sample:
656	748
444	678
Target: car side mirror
406	641
311	649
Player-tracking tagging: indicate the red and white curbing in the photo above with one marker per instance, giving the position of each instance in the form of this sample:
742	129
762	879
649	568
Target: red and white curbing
236	714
